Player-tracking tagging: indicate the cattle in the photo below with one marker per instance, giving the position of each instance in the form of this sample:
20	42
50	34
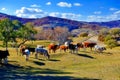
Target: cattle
99	49
53	47
63	47
73	48
42	51
25	52
4	55
87	44
31	49
79	45
22	49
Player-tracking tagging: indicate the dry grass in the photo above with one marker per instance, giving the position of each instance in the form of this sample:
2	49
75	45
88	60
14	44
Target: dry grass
86	65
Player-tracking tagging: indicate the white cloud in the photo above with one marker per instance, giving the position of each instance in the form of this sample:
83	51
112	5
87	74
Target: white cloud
3	9
34	5
48	3
113	9
97	12
30	12
96	18
54	14
38	13
77	4
35	12
71	16
64	4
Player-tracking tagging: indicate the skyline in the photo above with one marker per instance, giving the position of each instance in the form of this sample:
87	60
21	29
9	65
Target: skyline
80	10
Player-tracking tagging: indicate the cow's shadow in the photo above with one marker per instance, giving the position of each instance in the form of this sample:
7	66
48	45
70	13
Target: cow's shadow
39	63
86	55
55	60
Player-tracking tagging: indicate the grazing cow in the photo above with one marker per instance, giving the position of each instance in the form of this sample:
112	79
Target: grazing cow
99	48
53	47
63	47
89	44
31	49
22	49
26	54
4	55
25	51
79	45
73	48
41	51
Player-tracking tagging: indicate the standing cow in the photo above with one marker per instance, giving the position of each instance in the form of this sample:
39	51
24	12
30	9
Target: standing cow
3	56
41	51
53	47
99	49
90	45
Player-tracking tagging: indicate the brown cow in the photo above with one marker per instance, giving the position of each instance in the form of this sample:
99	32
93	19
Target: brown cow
89	44
53	47
63	47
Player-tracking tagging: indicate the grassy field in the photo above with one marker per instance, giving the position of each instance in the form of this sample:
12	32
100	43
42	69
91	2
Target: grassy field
85	65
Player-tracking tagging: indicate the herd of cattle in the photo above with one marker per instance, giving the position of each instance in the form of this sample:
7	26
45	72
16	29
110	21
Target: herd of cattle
72	47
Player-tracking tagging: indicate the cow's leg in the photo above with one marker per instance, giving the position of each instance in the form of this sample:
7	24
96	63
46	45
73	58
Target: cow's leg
49	50
54	51
5	60
64	50
0	61
36	55
27	57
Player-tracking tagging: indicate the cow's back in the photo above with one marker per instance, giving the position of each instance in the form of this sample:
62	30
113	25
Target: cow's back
4	54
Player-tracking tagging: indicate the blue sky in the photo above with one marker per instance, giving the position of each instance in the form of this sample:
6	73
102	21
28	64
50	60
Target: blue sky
80	10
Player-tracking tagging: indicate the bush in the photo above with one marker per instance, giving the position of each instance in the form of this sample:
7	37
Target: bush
111	43
101	38
84	34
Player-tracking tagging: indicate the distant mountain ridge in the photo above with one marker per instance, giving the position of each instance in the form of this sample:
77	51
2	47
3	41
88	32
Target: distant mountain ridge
70	24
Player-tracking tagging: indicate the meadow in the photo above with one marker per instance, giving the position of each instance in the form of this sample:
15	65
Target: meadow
86	65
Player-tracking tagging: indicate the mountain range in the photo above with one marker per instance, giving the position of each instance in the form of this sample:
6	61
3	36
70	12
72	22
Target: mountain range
52	22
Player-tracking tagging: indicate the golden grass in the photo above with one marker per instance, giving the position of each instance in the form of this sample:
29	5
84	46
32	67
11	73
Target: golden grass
85	65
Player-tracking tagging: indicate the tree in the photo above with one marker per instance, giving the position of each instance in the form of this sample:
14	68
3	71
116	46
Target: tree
26	32
6	31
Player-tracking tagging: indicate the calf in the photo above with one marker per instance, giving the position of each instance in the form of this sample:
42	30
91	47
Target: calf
4	55
63	47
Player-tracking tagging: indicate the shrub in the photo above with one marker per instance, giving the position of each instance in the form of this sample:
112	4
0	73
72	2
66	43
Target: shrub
111	43
84	34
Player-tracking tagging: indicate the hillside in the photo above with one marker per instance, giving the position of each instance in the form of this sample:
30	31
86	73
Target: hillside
22	20
70	24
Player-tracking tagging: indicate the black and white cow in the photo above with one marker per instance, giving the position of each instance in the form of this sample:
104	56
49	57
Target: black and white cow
99	48
41	51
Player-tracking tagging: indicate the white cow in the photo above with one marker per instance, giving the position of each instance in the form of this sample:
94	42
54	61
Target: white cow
99	48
